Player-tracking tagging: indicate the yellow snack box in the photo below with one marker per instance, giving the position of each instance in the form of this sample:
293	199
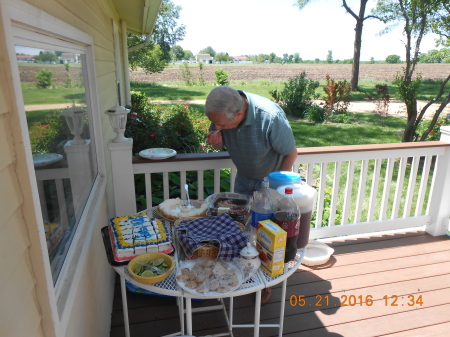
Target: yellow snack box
271	243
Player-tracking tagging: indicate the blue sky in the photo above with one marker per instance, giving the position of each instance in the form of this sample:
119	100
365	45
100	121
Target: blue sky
242	27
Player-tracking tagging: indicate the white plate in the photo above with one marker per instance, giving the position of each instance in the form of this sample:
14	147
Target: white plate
190	263
46	159
157	153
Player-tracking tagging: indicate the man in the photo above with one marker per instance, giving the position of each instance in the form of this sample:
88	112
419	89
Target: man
255	132
257	135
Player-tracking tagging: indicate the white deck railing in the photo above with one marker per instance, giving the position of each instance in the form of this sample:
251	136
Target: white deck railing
361	189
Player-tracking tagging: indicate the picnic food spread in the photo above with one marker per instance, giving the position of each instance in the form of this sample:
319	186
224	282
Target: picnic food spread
137	234
174	209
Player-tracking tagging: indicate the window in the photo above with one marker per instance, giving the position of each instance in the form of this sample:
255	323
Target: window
54	90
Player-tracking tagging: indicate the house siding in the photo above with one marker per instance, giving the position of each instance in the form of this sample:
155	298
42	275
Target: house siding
21	281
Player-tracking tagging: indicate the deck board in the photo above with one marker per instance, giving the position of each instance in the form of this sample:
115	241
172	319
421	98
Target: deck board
404	264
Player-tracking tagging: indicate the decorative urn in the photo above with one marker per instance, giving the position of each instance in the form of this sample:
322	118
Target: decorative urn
249	261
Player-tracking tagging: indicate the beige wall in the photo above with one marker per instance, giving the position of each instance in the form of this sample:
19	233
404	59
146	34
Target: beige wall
25	299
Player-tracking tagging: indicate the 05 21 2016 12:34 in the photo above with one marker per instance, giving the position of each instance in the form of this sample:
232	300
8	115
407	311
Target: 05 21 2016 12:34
354	300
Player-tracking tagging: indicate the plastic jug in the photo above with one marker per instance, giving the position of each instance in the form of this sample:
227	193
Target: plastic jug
281	178
305	196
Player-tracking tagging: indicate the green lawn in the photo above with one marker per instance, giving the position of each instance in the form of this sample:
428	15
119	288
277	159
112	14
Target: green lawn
32	95
179	91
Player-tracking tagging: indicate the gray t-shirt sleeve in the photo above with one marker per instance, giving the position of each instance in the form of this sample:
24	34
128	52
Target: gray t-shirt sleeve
280	136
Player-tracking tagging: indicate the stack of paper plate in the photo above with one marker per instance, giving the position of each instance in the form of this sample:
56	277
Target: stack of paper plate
317	253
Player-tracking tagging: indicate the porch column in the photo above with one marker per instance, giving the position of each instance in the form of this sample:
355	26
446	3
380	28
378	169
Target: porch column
440	194
123	177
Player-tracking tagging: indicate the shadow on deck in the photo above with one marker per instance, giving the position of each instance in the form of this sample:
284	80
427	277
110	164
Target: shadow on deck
391	284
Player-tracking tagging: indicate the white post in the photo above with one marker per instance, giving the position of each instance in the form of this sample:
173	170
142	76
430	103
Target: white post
439	206
123	177
80	172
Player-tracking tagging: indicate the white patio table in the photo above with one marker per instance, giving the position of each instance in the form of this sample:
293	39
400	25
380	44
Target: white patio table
254	284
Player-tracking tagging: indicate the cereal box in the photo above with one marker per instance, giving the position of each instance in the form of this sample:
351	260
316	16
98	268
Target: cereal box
271	243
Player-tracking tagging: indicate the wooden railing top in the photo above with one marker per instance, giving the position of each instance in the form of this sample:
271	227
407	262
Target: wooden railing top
303	151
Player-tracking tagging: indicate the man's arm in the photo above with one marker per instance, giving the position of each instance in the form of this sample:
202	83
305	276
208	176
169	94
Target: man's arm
288	160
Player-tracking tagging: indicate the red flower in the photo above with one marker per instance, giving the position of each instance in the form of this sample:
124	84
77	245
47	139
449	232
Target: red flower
432	131
31	133
438	124
153	135
203	146
186	105
133	115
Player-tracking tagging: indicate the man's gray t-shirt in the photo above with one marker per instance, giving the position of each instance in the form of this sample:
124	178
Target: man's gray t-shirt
257	146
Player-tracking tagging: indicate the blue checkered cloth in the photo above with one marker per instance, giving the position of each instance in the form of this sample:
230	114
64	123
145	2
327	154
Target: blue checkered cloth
220	231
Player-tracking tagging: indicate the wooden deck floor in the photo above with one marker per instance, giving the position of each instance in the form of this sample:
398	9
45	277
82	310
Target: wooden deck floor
411	265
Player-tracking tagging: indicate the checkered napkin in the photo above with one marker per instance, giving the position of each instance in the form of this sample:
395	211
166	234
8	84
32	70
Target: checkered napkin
220	231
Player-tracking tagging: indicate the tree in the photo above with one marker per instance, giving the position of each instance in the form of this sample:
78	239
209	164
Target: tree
392	59
360	18
222	57
155	56
272	57
187	55
297	58
208	50
47	56
166	32
372	60
418	17
149	58
330	57
177	52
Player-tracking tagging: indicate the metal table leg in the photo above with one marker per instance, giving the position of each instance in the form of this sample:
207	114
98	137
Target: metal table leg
257	313
188	316
124	306
283	296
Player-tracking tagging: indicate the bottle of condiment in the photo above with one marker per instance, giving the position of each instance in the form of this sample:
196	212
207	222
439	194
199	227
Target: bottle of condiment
288	217
262	209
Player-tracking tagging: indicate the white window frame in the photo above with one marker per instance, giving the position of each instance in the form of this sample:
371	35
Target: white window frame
43	28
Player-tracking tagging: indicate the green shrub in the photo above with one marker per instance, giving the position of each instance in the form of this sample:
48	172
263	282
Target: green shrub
392	59
48	133
139	102
435	133
176	127
45	78
187	74
337	96
221	77
297	95
315	113
340	118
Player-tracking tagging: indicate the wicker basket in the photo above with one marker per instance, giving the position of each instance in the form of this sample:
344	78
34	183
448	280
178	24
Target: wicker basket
206	251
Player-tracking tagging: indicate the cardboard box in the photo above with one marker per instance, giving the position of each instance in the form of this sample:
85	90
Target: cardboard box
271	243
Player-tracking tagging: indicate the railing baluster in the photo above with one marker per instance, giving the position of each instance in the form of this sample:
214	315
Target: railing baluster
148	189
386	188
399	187
348	191
374	189
309	173
200	185
216	180
361	190
335	193
233	177
411	185
423	185
182	183
62	205
166	185
322	187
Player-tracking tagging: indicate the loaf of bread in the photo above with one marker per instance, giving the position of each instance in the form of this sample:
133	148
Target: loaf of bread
173	210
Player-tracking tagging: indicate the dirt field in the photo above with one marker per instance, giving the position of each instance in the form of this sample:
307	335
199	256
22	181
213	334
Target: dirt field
378	72
28	73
